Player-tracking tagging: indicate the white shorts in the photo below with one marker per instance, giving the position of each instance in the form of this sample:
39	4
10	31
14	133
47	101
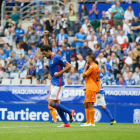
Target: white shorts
56	92
100	101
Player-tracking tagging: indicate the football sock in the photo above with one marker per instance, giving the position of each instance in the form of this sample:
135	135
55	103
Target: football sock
62	116
91	115
108	113
87	116
53	114
62	108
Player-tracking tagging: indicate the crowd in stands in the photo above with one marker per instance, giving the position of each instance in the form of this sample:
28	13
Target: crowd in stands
115	41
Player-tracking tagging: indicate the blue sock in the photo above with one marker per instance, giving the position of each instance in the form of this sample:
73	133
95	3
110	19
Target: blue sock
62	116
108	113
62	108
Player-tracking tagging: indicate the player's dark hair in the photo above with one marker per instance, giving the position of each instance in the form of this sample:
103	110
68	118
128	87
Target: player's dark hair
92	56
46	48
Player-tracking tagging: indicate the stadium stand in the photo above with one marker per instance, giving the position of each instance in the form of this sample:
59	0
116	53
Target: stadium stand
113	38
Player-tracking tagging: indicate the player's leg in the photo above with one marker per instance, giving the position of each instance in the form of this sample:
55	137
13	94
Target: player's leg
56	93
102	103
91	112
53	113
108	113
87	113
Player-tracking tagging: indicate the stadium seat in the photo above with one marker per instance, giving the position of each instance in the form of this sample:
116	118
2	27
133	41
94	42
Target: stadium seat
15	82
26	81
14	75
6	81
34	82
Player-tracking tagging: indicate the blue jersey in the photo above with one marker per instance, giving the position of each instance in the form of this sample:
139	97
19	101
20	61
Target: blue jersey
56	64
131	82
39	66
20	64
102	91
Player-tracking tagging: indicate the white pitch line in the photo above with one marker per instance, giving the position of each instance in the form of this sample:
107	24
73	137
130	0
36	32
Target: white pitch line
30	126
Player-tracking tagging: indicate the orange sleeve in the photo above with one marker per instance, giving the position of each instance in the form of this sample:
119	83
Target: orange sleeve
89	71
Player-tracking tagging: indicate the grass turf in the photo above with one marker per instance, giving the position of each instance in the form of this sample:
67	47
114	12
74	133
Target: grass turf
48	131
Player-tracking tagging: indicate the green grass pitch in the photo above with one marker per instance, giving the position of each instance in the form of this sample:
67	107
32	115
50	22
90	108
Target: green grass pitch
48	131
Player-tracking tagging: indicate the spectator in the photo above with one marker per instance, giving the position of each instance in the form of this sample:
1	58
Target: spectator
28	33
118	50
136	74
15	16
65	22
61	37
129	14
40	32
107	50
138	59
63	10
14	56
33	37
9	37
20	64
85	50
29	55
128	59
138	38
54	47
121	38
39	69
107	63
93	14
130	81
76	26
20	50
114	64
121	82
99	37
7	49
111	78
52	38
138	82
135	52
73	77
11	66
97	49
73	62
66	53
101	59
10	23
118	13
20	33
103	43
123	70
95	24
48	24
85	26
72	15
6	20
105	76
2	72
23	45
3	55
46	73
114	42
109	37
1	30
104	20
81	64
135	29
30	72
125	75
79	38
35	24
66	42
33	49
84	13
59	52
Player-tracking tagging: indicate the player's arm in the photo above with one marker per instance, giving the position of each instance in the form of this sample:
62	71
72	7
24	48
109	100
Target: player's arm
87	72
46	33
67	66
